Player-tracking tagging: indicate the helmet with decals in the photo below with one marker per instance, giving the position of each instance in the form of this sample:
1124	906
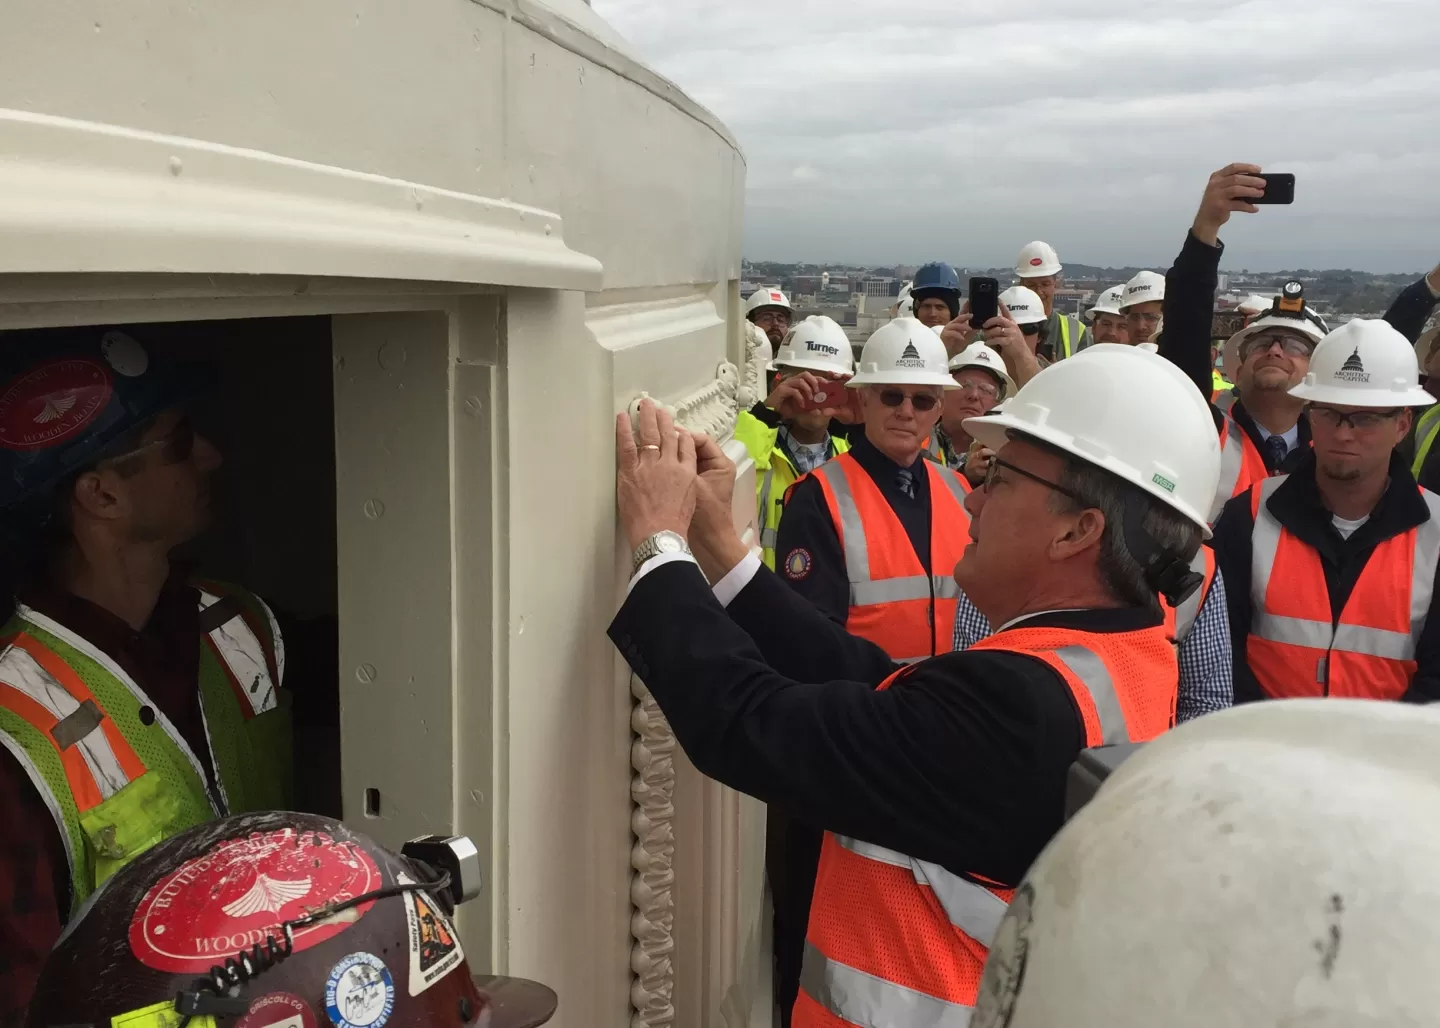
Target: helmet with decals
280	919
67	396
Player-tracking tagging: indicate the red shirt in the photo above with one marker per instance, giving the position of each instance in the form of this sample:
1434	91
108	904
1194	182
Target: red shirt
164	659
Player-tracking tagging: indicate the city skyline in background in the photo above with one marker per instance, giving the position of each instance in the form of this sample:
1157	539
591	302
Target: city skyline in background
1093	124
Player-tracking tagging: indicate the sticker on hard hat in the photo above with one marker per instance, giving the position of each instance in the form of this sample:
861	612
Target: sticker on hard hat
360	992
814	347
1353	370
1161	480
124	354
1035	262
434	947
776	296
240	892
49	404
159	1015
910	358
278	1010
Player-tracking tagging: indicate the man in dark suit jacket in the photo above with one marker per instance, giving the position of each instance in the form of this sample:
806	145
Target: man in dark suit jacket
959	770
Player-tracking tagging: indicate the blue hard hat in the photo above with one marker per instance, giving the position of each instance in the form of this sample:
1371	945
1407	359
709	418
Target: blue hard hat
65	396
937	279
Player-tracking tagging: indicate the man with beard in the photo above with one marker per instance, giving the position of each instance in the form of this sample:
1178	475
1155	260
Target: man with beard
770	311
1108	323
1332	569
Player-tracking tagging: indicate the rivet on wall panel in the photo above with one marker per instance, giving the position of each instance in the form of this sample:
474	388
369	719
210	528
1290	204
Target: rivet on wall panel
365	673
392	356
374	509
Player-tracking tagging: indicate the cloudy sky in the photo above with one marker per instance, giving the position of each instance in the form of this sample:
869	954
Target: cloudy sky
962	129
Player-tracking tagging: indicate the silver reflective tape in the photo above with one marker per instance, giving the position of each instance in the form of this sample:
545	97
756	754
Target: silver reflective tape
1232	460
769	537
951	480
240	649
1321	635
1187	612
870	1002
972	908
889	590
946	588
857	554
1427	557
1264	543
1093	674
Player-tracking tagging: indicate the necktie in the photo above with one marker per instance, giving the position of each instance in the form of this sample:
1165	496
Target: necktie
1275	451
906	482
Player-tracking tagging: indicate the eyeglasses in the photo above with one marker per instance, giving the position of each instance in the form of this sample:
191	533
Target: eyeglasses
996	463
1032	329
768	318
1359	420
979	385
922	402
1293	346
1148	319
175	446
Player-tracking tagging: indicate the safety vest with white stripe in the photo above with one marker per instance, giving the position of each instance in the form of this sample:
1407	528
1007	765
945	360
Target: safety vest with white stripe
905	609
774	475
1426	429
1241	465
110	766
897	941
1179	620
1298	647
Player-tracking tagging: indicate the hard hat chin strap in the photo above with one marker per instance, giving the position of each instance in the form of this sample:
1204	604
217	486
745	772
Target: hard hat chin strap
1167	575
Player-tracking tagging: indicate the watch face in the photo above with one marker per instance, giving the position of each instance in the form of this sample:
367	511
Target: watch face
669	542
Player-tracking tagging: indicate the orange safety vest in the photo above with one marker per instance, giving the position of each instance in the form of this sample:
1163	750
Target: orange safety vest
1179	620
905	609
898	941
1241	465
1298	647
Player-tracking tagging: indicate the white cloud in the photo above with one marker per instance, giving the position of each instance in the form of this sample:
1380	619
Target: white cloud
963	129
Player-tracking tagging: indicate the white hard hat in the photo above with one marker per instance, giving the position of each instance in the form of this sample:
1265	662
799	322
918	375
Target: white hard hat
1037	260
1024	304
1255	304
1272	864
980	355
903	352
816	344
1127	411
905	289
1109	302
1308	324
1145	287
1364	363
906	307
766	298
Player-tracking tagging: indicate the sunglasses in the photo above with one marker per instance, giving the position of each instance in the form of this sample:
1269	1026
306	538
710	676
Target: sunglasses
1292	346
1032	329
996	464
1360	420
922	402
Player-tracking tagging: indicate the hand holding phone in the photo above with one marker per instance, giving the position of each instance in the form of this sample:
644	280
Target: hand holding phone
825	394
1279	188
984	301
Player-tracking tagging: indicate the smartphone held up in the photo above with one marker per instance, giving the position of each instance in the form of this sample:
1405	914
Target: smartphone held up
984	301
1279	188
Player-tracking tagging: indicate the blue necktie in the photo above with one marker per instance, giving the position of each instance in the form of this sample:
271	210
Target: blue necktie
906	482
1275	451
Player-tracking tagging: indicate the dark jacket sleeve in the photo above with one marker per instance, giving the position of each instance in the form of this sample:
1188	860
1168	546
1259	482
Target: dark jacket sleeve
962	762
1411	309
800	642
1189	305
1232	543
818	574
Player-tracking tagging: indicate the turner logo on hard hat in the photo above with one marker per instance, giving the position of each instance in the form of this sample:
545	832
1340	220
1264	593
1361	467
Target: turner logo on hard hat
1353	370
910	358
815	347
52	402
240	893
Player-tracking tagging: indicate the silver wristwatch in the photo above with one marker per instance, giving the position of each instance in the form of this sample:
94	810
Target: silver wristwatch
660	542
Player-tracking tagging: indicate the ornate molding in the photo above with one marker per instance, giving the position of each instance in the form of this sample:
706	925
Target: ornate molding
752	371
711	409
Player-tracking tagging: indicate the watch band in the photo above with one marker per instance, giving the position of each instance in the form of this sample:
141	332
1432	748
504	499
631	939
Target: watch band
660	542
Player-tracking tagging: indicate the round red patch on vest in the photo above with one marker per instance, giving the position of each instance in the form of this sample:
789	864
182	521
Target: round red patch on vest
49	404
231	898
278	1010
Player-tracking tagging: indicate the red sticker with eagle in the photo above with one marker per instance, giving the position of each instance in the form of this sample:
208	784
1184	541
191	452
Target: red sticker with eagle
237	894
49	404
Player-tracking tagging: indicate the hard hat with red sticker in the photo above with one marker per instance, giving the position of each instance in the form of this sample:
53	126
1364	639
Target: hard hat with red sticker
68	394
275	920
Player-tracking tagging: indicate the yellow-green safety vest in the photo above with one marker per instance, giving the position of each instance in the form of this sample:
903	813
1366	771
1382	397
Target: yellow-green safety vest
1069	326
1425	431
114	772
774	475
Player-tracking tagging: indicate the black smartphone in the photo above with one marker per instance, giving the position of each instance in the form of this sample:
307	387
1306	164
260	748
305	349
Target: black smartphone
1279	188
984	301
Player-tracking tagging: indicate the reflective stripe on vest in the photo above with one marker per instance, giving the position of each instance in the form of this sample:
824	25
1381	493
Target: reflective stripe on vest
772	500
1298	647
896	941
1181	619
1425	431
1224	397
245	660
1241	465
885	605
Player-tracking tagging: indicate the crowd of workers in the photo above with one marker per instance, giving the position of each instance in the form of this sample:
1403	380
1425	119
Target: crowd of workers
982	553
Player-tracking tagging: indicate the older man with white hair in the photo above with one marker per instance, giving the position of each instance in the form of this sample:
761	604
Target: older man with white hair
937	783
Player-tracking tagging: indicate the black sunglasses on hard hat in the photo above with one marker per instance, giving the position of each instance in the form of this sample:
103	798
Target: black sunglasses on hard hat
922	402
